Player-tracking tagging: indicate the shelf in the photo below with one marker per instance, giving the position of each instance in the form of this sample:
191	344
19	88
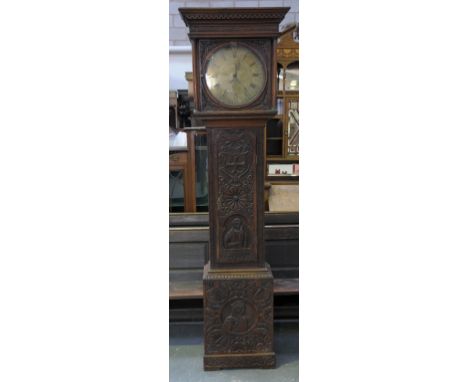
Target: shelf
281	159
189	290
282	176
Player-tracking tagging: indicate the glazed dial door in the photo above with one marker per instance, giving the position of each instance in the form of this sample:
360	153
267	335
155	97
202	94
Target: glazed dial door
235	75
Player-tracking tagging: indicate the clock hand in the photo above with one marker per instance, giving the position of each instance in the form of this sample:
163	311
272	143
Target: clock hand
236	68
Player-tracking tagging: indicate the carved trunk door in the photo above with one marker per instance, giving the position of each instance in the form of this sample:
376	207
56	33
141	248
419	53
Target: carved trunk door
236	189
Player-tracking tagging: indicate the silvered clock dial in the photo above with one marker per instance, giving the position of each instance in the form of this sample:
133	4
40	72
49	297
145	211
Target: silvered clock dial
235	75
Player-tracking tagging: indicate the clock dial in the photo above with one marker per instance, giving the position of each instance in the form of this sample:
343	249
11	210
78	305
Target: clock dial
235	76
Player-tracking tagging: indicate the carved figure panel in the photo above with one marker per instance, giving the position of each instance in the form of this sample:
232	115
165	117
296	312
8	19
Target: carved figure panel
238	316
235	233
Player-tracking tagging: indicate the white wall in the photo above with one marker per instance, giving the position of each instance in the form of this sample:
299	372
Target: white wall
178	31
180	61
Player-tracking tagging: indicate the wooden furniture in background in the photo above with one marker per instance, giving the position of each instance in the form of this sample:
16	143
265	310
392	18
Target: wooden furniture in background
188	253
196	136
184	162
173	109
284	198
282	136
179	165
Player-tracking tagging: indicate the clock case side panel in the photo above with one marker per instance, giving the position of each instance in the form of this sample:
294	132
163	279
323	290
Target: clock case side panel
260	185
262	47
196	79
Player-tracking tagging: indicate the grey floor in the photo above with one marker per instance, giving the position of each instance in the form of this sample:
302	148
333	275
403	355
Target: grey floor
186	356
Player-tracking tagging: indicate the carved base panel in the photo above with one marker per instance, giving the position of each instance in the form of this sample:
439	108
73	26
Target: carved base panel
238	318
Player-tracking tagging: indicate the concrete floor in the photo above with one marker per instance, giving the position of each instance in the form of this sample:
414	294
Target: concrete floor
186	356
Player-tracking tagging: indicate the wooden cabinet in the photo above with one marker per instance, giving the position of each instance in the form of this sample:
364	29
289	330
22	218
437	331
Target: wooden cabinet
282	132
188	173
180	182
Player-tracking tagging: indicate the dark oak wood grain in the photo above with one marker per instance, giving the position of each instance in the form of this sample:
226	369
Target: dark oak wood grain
237	282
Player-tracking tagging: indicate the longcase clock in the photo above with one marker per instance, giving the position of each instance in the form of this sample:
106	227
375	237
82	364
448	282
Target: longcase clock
234	74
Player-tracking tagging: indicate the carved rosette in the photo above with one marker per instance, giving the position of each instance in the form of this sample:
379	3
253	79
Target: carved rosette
238	316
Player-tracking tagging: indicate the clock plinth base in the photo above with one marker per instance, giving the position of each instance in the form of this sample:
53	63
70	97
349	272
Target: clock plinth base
238	318
239	361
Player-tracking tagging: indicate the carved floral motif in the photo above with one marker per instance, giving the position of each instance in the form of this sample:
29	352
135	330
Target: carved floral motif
235	181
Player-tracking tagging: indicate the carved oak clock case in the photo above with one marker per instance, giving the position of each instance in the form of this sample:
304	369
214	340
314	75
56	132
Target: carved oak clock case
234	71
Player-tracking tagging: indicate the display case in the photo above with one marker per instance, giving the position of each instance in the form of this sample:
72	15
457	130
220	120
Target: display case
188	154
188	170
199	142
282	132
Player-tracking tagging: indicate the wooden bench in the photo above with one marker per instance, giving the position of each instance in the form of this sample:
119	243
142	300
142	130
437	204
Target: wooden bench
192	290
188	252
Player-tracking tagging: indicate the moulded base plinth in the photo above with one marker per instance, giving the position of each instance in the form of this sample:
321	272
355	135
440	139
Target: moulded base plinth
237	361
